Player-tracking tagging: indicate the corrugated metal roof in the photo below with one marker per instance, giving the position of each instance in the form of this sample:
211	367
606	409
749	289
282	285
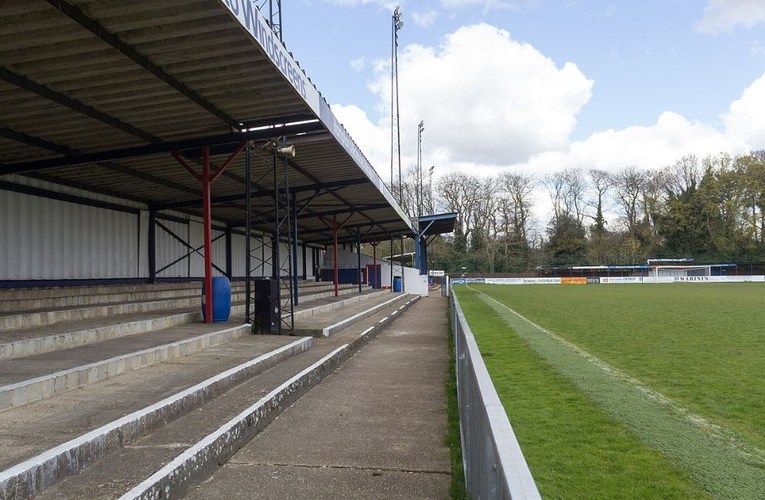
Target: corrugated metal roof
99	76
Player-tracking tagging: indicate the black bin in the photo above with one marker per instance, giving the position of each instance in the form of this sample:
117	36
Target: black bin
267	307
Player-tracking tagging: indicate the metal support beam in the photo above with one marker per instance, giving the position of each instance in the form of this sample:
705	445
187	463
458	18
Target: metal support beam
305	264
358	255
294	237
206	178
162	147
248	230
25	83
141	60
152	247
391	263
229	259
403	270
206	181
334	247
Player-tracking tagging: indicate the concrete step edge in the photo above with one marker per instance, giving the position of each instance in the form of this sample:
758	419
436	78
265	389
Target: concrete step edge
46	386
48	292
347	322
334	305
17	321
33	293
73	301
32	476
199	461
42	316
67	340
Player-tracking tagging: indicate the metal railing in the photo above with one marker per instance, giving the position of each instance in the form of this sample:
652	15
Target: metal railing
491	456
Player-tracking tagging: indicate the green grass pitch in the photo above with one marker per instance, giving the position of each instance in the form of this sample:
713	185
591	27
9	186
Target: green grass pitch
622	386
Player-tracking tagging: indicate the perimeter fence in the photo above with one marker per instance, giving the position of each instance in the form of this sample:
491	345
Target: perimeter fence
491	456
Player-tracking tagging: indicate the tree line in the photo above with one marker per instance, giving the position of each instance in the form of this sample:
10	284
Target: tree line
711	209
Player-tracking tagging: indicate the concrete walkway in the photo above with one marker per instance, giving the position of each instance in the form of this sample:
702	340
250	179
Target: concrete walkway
376	428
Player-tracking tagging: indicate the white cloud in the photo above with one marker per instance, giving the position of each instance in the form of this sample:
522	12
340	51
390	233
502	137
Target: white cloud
745	120
359	64
491	104
485	97
721	16
517	5
424	19
756	48
390	4
648	147
372	138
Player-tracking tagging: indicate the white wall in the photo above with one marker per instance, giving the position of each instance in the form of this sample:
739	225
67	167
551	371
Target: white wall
42	238
414	282
46	239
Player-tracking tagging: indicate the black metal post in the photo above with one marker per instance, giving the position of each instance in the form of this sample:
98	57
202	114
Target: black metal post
294	250
152	247
229	263
248	229
358	255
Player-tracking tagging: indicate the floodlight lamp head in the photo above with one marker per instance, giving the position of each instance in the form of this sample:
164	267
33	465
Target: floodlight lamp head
398	23
287	151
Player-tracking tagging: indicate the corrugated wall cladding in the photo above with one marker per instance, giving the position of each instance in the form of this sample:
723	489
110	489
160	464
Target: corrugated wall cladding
47	239
42	238
169	251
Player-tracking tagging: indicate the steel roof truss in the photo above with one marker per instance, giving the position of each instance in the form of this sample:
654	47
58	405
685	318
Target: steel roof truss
144	62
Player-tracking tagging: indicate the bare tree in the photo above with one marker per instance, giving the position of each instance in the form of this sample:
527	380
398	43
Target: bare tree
683	177
518	188
575	191
602	181
461	193
567	189
555	184
629	183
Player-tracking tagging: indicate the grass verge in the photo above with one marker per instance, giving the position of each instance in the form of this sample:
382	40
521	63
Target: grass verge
702	345
573	447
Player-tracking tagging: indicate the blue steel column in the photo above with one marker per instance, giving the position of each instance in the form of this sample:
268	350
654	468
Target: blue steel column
424	256
417	252
294	250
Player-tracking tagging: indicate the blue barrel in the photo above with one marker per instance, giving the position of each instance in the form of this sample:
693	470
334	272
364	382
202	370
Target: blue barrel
397	283
221	299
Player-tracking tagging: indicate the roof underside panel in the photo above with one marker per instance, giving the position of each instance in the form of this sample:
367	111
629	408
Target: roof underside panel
98	76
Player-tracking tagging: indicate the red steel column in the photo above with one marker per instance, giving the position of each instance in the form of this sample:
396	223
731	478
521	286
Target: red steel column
374	266
334	234
206	181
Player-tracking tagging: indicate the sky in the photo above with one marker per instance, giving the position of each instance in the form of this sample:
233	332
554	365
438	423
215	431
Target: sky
536	86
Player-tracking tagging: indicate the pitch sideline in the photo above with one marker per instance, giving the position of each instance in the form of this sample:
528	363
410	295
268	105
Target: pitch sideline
726	465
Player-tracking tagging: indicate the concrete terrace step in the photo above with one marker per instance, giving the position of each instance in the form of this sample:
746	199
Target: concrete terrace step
171	459
70	299
160	394
53	316
62	291
25	313
38	340
323	323
41	376
32	299
34	378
